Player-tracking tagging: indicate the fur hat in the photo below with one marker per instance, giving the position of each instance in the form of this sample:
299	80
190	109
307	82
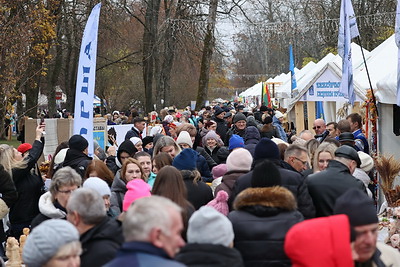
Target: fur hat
239	160
357	206
239	117
219	170
184	138
266	149
218	230
186	160
24	147
137	188
46	239
78	142
98	185
235	141
220	202
367	163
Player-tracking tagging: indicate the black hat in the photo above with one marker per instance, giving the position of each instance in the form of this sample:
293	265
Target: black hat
357	206
239	117
78	142
240	107
263	108
346	136
266	149
349	153
147	140
218	110
227	115
265	174
128	147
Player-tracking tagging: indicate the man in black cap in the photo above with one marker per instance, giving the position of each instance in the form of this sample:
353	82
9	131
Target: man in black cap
361	212
222	126
238	127
346	138
77	154
326	186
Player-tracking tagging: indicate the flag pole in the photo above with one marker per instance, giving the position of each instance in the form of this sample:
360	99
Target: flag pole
369	78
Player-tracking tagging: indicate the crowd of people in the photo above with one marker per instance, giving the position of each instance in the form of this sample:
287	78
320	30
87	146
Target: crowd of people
225	186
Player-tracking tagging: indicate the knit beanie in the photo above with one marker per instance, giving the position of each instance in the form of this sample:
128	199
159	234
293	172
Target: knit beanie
266	149
357	206
239	160
24	147
46	239
137	188
235	141
278	114
135	140
186	160
128	147
367	163
147	140
220	202
265	174
98	185
218	230
219	170
78	142
184	138
212	135
239	117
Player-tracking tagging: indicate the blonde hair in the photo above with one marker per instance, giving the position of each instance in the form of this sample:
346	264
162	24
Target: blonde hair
125	166
8	161
324	147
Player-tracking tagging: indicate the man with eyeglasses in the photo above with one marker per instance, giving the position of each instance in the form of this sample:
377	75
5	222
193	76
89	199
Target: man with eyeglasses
326	186
320	130
361	212
296	159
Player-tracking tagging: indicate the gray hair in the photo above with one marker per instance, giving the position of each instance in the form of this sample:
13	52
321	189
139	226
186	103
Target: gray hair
294	150
164	141
88	204
65	176
148	213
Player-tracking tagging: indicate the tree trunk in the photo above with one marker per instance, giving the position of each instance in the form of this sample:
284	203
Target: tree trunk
150	50
208	49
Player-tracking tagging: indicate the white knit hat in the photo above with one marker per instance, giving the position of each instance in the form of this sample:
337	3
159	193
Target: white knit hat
367	163
135	140
184	138
278	114
98	185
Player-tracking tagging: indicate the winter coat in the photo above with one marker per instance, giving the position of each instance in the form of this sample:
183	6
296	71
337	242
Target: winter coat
100	243
118	190
202	167
199	193
269	131
260	221
29	187
290	180
199	255
251	139
8	196
231	131
222	127
279	128
111	162
326	186
133	132
142	254
48	210
386	254
228	182
213	153
77	160
210	161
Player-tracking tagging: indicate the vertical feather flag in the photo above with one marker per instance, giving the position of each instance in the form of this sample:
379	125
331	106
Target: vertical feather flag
397	38
347	30
319	113
265	95
292	74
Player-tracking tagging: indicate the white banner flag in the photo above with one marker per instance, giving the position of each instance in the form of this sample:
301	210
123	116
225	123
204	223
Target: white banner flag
83	115
397	38
347	30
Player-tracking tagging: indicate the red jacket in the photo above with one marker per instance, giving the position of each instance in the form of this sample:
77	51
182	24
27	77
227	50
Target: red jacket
322	241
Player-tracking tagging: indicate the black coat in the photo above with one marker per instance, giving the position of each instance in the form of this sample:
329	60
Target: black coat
199	194
132	133
100	243
199	255
8	195
293	181
232	131
210	160
29	187
222	128
326	186
77	160
213	154
260	221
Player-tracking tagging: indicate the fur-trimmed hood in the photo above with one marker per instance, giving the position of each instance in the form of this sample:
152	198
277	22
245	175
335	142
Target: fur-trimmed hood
276	197
47	207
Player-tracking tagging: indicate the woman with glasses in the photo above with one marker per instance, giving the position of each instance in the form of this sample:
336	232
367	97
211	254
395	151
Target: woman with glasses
52	205
27	181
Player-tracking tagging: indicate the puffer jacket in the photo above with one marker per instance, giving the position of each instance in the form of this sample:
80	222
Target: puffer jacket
48	210
260	221
228	181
